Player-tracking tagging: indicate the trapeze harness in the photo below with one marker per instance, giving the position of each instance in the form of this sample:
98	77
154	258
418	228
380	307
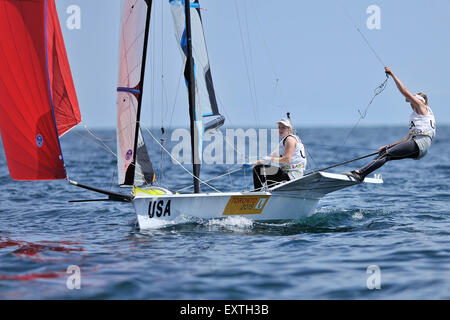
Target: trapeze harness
296	167
422	131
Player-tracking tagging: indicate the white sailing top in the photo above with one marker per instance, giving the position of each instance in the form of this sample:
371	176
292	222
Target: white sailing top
424	125
298	161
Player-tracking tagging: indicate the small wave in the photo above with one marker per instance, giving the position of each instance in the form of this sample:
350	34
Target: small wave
231	223
146	224
277	225
358	215
327	220
186	222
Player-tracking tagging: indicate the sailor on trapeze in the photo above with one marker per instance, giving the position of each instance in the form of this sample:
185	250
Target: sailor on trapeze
418	140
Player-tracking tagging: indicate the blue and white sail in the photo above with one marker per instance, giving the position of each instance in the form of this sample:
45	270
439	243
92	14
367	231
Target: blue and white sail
205	99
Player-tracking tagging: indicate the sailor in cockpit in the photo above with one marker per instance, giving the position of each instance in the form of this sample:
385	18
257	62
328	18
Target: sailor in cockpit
286	163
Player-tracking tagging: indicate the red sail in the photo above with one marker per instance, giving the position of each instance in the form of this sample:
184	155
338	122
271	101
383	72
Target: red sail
37	97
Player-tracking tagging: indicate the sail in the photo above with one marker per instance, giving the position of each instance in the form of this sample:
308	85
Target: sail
38	101
205	98
134	166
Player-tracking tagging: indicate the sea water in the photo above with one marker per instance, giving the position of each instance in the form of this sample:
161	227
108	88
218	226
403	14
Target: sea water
388	241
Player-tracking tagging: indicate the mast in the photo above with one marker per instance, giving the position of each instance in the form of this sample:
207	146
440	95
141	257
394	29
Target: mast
129	180
191	91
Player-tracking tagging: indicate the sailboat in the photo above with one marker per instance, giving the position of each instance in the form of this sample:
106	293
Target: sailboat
35	154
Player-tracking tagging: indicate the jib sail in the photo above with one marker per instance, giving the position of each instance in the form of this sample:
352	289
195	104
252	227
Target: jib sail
134	165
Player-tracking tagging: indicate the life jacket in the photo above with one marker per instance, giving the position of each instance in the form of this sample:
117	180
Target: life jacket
422	124
298	161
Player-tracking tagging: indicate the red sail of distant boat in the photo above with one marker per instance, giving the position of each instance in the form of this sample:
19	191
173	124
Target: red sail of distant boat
38	102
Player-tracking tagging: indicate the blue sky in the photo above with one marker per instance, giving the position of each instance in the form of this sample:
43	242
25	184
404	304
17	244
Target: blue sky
305	57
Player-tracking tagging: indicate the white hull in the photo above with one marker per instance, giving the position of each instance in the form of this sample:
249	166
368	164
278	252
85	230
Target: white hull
209	206
292	200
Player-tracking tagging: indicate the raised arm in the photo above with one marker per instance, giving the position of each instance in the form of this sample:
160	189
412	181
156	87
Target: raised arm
417	104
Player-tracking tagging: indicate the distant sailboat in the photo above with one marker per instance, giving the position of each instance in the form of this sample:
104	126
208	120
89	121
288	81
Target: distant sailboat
41	94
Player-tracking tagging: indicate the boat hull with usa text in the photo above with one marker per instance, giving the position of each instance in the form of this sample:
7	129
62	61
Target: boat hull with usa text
291	200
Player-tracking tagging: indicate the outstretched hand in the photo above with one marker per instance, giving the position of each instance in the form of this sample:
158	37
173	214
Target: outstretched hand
247	165
265	160
388	71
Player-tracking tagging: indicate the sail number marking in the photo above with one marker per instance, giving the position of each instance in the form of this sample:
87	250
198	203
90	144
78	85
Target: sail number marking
159	208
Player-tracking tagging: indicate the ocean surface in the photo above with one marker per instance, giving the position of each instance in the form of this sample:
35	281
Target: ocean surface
389	241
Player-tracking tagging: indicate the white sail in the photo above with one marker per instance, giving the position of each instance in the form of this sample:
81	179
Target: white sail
135	14
205	99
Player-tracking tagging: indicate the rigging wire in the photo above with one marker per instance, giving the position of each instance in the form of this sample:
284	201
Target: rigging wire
288	114
214	178
179	163
252	93
252	69
339	146
311	157
271	62
101	143
163	102
176	97
277	87
380	88
162	156
112	178
361	34
362	115
377	91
